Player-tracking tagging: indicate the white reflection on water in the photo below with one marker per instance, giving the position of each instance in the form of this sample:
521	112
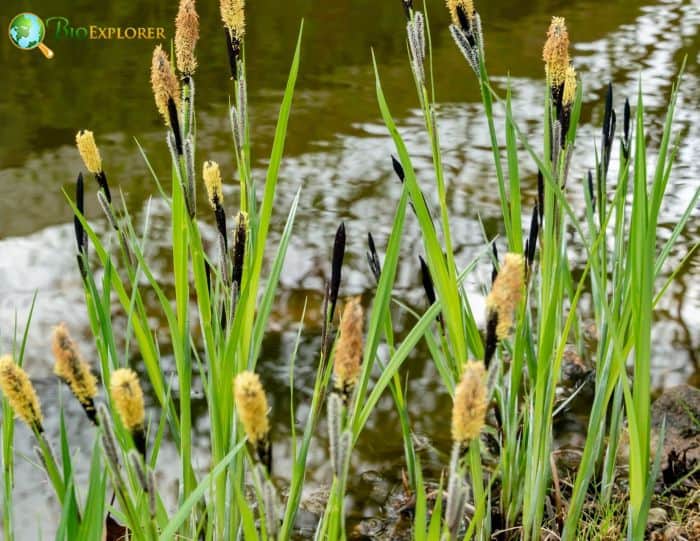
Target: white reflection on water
350	178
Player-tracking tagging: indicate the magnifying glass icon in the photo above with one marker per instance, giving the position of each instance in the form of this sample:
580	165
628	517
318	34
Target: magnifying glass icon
27	32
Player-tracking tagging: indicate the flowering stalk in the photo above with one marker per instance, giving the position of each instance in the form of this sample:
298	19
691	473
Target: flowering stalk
233	17
415	30
375	265
337	266
211	173
502	301
561	78
468	419
186	37
85	141
21	395
556	56
348	353
470	404
81	237
169	99
239	248
72	369
466	32
332	289
128	400
252	410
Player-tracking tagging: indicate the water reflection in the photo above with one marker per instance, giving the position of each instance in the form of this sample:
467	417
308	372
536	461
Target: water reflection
338	152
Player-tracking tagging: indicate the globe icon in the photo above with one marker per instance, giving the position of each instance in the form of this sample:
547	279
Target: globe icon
27	32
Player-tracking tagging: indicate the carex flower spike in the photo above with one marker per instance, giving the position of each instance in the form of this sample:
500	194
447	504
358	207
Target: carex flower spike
531	242
337	267
502	301
470	404
466	32
20	393
252	411
567	100
348	352
166	92
85	141
428	285
127	395
375	265
555	54
81	238
591	191
233	16
214	185
240	236
608	135
73	370
626	130
186	36
415	30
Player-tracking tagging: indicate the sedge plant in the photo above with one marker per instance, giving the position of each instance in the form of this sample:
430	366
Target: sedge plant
502	375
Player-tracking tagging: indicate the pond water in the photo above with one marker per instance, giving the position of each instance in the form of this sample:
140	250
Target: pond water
338	152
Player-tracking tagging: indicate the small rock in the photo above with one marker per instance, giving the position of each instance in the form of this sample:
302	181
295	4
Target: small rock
657	517
374	486
693	528
680	406
314	502
574	370
590	333
568	459
673	532
368	528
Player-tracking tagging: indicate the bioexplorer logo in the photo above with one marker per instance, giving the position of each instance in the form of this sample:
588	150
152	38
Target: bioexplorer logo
27	31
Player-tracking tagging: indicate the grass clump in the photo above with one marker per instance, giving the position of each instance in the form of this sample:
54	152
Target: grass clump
502	480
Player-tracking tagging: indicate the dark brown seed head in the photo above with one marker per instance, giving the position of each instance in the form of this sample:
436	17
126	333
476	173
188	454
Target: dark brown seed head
337	266
373	259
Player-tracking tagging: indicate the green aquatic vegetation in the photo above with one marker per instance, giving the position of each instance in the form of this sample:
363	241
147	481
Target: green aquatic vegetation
501	478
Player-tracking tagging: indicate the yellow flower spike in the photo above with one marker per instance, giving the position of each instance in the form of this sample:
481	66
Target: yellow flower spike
506	293
348	353
212	180
164	83
556	52
233	15
569	94
466	6
20	393
186	36
470	404
128	399
85	141
72	369
251	406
